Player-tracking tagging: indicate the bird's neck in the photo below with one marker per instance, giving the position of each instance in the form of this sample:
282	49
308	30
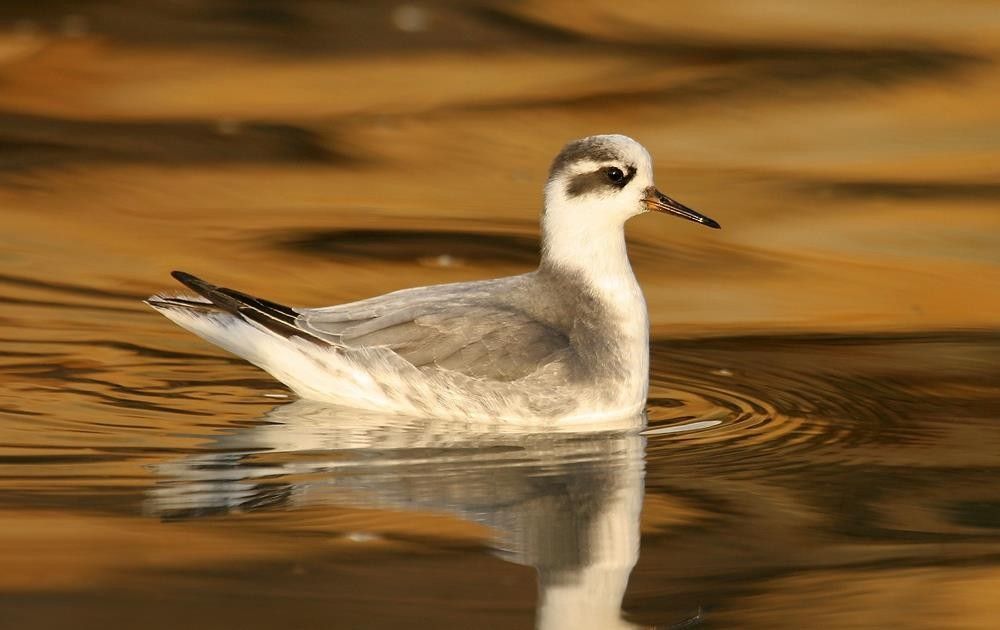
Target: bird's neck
596	252
596	258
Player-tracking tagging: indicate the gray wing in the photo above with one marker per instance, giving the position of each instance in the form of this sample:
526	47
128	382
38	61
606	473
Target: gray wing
467	328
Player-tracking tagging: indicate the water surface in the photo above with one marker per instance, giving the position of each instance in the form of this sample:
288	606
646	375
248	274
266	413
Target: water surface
821	446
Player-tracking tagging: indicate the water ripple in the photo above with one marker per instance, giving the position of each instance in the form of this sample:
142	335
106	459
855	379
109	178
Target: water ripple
778	398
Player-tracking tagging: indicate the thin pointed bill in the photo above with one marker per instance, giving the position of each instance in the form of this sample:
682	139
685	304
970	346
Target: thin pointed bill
657	201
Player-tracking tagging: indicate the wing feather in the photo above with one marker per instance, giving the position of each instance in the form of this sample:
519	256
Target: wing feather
471	328
465	328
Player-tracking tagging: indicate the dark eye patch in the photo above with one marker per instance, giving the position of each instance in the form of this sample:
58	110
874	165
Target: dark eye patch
603	179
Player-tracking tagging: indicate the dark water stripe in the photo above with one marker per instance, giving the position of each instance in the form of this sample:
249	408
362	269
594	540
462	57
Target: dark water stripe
122	402
58	459
793	340
30	142
6	299
65	287
133	348
396	245
906	190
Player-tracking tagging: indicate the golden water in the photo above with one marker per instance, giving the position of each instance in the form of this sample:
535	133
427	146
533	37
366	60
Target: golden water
825	404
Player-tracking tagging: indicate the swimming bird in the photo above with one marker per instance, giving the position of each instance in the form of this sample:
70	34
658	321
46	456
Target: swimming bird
567	343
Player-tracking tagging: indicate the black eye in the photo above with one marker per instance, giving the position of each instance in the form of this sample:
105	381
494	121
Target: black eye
615	175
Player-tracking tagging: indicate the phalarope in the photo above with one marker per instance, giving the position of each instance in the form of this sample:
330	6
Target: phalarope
566	343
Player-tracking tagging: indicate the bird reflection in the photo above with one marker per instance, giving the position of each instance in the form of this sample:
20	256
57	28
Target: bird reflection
565	503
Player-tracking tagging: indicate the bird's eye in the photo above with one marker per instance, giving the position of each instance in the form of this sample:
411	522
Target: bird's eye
615	175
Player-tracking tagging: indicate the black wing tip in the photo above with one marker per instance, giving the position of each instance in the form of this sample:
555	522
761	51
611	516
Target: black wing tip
218	296
191	281
277	318
182	276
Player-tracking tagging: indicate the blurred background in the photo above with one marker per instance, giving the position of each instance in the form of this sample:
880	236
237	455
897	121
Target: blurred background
824	448
325	151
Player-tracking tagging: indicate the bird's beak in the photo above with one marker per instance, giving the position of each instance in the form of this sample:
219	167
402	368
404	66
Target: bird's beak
655	200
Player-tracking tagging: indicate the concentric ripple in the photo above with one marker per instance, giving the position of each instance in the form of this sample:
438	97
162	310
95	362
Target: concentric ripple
822	398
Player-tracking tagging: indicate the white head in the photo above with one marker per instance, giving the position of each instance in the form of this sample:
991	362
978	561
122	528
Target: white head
595	185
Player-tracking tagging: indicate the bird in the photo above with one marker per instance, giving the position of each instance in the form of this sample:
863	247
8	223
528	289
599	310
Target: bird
563	345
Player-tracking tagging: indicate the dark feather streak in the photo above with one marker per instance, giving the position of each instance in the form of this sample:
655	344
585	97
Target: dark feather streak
277	318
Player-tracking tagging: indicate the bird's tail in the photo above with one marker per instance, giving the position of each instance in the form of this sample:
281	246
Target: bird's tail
270	316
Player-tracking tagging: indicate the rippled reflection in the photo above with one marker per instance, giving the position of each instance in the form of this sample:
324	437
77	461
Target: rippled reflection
567	504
